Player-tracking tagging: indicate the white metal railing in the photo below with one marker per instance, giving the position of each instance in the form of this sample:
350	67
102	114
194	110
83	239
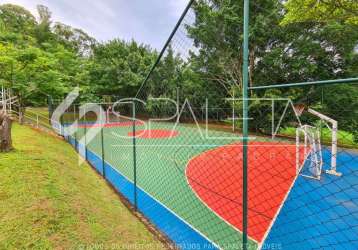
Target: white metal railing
35	120
7	100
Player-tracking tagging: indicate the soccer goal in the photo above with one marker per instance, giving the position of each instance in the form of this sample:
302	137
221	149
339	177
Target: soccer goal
332	125
312	149
310	163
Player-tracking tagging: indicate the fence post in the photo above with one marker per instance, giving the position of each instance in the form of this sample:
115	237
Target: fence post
50	107
134	156
37	121
74	120
85	126
245	127
102	145
76	143
61	126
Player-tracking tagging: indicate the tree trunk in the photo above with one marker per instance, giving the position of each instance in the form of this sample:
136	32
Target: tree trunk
5	132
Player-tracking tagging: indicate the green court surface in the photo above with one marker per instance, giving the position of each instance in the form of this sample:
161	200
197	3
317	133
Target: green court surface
161	164
161	172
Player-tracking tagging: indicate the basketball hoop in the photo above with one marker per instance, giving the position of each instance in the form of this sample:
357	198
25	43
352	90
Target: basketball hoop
299	108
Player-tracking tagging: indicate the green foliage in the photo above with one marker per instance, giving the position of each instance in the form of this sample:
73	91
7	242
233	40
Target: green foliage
341	103
355	132
34	60
43	31
322	11
296	52
74	39
118	67
345	139
17	19
40	58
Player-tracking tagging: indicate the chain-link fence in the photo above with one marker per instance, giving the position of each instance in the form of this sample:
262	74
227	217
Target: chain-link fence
185	173
178	153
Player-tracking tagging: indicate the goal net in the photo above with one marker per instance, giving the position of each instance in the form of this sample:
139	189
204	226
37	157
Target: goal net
310	163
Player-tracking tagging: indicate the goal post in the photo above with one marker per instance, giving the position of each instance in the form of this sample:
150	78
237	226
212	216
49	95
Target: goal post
334	131
312	140
310	164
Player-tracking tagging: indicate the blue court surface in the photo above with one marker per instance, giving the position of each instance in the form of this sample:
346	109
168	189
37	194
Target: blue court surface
317	214
320	214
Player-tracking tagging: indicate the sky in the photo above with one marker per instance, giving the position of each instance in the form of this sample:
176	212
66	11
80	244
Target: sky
146	21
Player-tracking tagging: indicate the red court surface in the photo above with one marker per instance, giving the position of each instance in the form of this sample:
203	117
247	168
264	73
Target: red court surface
216	178
155	133
111	125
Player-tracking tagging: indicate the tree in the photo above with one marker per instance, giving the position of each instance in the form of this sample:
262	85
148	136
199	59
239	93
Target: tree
341	103
17	25
17	19
5	132
73	38
118	67
278	53
345	11
43	29
37	62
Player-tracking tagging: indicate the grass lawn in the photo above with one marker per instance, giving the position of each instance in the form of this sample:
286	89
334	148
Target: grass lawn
47	201
345	139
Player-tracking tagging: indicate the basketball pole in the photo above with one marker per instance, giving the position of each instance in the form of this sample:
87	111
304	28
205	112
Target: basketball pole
245	127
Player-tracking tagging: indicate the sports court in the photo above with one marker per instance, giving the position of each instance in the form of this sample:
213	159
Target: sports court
196	177
224	124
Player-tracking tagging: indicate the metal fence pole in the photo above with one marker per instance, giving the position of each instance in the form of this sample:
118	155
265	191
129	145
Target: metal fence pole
61	126
76	142
102	146
50	107
75	118
302	84
134	156
245	128
85	126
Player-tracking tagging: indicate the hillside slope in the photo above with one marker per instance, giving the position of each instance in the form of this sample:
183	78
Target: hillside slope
48	201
